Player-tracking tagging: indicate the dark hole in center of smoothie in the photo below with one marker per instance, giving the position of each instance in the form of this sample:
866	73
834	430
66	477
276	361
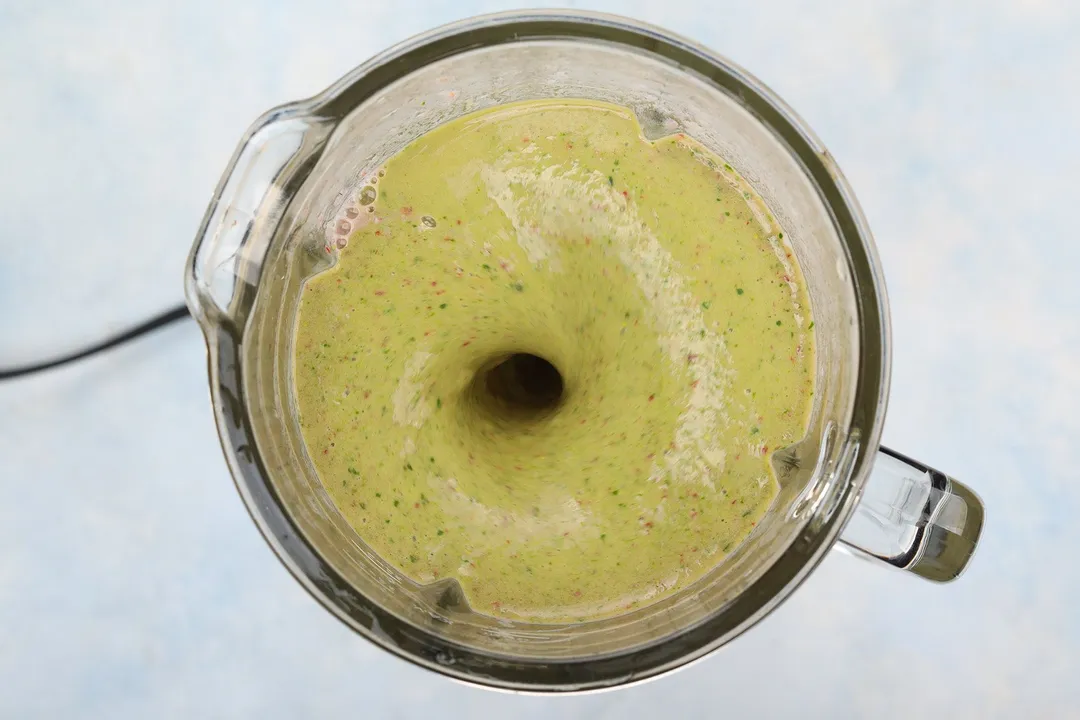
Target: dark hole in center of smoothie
524	383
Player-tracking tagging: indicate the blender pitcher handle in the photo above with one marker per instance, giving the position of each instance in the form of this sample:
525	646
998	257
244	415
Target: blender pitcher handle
915	518
273	159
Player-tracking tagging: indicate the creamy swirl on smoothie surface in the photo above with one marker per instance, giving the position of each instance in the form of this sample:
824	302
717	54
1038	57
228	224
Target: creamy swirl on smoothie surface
553	360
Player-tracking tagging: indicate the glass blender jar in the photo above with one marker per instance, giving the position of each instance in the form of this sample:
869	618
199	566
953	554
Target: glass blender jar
266	232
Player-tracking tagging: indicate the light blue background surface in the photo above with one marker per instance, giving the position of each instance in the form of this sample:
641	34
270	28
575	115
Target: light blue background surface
133	584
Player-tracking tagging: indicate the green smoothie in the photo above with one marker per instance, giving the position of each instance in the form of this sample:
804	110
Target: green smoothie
553	359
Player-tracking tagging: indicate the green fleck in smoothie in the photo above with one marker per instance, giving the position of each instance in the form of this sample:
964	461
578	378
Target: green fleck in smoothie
553	360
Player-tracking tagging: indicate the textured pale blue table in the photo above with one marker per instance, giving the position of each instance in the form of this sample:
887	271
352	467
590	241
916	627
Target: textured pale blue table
133	584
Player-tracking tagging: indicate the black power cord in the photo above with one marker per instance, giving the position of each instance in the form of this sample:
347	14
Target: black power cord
169	316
